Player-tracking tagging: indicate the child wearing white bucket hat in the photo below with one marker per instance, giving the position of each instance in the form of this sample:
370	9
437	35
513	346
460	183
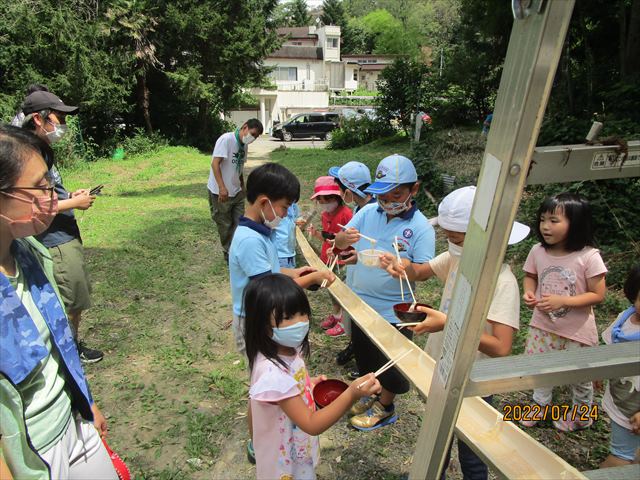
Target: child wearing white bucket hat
503	319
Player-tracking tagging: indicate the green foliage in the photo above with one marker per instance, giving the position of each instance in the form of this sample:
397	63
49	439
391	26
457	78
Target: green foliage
388	34
333	13
355	132
403	87
298	13
143	143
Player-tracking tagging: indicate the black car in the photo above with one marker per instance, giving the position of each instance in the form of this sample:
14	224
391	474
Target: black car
305	125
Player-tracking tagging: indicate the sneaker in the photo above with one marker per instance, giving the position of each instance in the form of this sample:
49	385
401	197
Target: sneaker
376	417
330	321
336	331
345	355
532	420
362	405
251	454
89	355
565	425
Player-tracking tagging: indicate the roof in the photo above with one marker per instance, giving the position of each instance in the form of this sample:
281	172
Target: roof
297	51
372	55
296	32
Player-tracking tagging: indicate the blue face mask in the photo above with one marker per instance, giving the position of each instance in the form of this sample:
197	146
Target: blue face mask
292	336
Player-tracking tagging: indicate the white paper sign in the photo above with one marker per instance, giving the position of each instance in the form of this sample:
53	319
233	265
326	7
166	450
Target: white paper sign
455	318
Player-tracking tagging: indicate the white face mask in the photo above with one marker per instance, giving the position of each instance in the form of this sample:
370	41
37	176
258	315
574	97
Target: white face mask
59	131
329	207
248	138
454	250
276	219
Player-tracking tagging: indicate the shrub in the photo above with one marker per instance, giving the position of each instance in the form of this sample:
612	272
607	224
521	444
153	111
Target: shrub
143	143
355	132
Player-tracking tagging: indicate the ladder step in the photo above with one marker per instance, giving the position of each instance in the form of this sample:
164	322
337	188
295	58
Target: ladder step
570	163
630	472
524	372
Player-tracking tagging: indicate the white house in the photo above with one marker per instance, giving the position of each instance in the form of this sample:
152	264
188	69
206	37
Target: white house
307	68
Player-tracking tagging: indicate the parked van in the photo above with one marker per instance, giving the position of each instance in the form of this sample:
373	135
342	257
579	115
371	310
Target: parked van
306	125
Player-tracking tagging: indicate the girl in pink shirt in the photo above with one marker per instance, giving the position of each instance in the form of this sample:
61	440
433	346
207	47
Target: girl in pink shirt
285	421
564	278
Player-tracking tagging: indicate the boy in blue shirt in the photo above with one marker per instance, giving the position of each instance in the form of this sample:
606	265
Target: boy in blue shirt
284	237
271	190
395	215
353	178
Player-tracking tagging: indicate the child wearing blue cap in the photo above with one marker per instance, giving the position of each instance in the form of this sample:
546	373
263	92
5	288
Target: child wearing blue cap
394	219
353	178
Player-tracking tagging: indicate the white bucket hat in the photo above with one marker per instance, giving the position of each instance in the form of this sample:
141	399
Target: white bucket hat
454	213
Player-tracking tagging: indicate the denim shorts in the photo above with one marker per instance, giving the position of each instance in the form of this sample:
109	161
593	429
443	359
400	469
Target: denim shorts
624	444
287	262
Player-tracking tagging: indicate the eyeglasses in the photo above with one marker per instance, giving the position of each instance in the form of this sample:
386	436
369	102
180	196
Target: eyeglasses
49	187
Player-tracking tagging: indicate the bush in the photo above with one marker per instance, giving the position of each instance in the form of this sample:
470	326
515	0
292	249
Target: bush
73	149
355	132
143	143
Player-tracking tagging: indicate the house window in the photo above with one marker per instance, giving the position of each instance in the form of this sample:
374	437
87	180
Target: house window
285	73
308	71
355	75
332	43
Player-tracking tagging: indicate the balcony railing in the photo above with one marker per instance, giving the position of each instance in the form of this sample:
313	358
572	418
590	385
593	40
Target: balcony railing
303	85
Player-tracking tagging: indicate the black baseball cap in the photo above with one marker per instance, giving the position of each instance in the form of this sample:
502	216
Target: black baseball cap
45	101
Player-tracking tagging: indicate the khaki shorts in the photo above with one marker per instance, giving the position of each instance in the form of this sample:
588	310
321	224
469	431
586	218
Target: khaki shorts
71	275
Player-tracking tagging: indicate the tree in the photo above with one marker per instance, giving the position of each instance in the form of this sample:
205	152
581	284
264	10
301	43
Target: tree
390	37
403	88
131	23
333	13
299	13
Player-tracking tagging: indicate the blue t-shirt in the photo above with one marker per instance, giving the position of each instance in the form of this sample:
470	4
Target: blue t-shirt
349	275
284	236
252	253
416	241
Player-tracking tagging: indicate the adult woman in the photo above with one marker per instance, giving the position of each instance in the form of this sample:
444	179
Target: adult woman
49	425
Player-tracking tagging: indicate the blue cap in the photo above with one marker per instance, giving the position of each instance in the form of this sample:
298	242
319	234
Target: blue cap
393	171
352	175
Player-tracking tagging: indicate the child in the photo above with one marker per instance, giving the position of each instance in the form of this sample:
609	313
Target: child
622	397
353	178
564	278
503	319
334	213
285	420
396	215
284	236
271	189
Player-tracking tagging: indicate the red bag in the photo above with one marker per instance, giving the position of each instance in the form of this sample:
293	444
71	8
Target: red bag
118	464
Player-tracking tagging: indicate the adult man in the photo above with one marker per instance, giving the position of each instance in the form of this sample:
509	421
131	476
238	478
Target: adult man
45	115
226	184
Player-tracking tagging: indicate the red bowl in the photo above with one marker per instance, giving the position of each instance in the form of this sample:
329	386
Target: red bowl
404	315
327	391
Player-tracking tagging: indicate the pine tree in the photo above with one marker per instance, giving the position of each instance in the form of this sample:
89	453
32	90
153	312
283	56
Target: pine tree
299	13
333	13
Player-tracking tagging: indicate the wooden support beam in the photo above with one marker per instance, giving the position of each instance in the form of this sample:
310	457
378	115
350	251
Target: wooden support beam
501	445
628	472
571	163
524	372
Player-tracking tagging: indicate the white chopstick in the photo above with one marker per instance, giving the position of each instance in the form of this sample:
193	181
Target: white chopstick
407	324
333	264
372	240
415	302
387	366
395	246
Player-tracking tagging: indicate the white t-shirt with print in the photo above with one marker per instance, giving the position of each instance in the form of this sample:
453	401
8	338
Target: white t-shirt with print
233	158
505	306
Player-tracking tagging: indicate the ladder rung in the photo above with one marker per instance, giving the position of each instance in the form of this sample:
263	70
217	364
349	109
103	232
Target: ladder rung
630	472
570	163
524	372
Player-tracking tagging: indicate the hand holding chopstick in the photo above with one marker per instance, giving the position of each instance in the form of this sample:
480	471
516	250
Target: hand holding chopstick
331	267
387	366
372	240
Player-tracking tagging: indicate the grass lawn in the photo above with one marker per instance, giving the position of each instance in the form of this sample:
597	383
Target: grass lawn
171	384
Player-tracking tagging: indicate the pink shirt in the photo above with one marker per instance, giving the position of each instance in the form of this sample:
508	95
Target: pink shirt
565	275
283	451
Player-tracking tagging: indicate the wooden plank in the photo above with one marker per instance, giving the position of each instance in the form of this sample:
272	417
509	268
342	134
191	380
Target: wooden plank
502	445
525	372
571	163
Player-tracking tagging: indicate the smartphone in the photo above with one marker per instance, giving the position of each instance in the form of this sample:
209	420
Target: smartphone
96	190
